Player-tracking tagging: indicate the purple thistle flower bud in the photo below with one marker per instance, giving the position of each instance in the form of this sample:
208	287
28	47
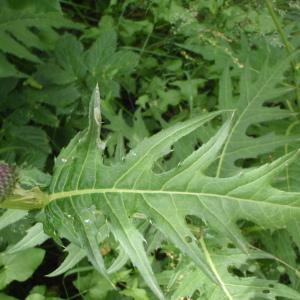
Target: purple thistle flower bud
7	180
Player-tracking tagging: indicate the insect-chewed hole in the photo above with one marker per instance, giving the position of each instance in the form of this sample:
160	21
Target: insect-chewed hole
273	104
188	239
195	225
252	131
242	223
235	271
121	285
160	254
266	291
285	279
198	145
246	162
194	220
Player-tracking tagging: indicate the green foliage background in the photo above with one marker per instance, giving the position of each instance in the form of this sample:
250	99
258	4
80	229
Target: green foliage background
157	63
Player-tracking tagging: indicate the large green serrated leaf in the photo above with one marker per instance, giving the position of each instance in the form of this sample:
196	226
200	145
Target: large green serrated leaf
84	190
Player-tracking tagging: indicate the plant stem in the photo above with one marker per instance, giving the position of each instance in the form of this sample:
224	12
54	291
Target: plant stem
278	26
286	43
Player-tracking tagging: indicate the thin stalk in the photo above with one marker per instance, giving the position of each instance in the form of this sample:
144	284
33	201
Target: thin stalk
286	43
278	26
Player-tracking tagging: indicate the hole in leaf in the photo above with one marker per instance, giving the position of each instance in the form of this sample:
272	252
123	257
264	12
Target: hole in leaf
266	291
198	145
235	271
273	104
160	254
169	155
271	285
245	224
195	220
188	239
246	163
253	131
284	278
195	225
121	285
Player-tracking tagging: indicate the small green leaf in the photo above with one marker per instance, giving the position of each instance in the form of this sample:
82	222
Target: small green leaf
11	216
35	236
19	266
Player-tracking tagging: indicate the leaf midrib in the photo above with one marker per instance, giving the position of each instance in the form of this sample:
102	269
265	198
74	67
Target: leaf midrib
72	193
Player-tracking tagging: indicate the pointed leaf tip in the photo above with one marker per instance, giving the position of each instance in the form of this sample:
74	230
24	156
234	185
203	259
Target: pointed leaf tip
97	109
95	112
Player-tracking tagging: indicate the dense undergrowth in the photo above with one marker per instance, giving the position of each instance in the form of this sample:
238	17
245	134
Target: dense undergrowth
149	149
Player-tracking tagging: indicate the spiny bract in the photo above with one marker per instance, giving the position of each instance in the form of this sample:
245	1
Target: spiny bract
7	180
